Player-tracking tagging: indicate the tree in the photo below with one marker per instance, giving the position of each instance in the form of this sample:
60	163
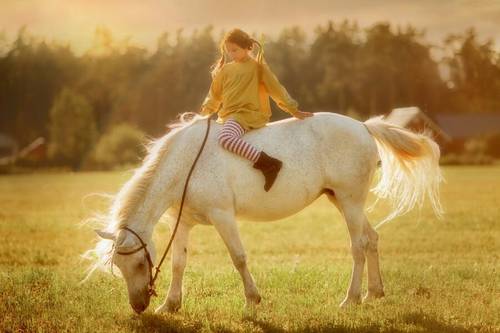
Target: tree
72	129
32	72
474	73
176	80
121	145
287	56
333	69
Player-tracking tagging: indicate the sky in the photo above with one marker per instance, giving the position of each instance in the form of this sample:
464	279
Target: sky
75	21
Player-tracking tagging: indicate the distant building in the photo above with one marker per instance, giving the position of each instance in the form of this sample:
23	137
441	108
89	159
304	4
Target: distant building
8	149
33	154
465	126
450	130
36	151
415	119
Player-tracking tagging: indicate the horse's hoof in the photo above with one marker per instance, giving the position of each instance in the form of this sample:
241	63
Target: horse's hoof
373	295
251	304
253	298
250	309
169	307
347	302
256	299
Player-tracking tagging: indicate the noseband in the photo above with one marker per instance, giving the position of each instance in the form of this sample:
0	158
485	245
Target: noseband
152	278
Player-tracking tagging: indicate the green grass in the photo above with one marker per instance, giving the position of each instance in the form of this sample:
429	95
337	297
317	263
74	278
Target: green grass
440	276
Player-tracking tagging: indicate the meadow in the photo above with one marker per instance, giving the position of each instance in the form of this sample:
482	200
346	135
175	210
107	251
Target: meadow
439	275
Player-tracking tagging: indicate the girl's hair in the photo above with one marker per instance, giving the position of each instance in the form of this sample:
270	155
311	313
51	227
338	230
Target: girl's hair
243	40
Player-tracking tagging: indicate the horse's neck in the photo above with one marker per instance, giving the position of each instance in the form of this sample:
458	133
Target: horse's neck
157	198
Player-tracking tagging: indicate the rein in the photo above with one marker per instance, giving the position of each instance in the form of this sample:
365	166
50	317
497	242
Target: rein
153	277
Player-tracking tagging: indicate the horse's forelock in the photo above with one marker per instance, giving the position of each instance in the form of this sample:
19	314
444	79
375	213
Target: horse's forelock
100	257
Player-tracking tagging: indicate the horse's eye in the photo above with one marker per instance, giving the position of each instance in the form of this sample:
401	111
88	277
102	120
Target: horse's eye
140	266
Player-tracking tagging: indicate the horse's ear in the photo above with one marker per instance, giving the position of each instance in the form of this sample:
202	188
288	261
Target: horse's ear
105	235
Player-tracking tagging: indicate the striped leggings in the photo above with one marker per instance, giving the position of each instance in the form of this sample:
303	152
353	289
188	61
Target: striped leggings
230	138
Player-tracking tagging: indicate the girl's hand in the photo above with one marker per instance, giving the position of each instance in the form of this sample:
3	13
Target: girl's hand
202	112
303	114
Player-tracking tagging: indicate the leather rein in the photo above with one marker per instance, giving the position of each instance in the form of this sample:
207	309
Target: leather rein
153	277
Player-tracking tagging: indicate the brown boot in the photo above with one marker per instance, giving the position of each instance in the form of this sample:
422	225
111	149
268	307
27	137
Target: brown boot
270	167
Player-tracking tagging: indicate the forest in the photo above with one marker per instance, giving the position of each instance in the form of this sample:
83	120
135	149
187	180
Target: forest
46	89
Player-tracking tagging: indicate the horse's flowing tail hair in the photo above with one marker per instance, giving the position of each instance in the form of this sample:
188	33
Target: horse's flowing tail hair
410	168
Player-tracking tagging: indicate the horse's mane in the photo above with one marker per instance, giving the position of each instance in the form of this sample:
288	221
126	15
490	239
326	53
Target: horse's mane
131	194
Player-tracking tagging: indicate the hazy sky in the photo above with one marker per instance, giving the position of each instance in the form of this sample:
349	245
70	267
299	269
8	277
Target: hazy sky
144	20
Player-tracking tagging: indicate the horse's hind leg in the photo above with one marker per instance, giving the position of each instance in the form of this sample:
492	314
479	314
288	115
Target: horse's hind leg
364	239
352	210
226	226
179	258
375	286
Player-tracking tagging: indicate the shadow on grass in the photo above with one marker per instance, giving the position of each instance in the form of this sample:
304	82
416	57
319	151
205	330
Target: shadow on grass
422	321
431	324
326	327
177	323
150	322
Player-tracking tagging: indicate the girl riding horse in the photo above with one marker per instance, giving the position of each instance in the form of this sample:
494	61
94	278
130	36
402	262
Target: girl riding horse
242	87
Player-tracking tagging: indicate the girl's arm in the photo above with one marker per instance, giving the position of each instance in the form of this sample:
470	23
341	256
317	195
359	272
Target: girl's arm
277	92
213	99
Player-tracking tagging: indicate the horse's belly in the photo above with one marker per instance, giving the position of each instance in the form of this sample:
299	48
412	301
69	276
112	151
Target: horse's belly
286	197
265	214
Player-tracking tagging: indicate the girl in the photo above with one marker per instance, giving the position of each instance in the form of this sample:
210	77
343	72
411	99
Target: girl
242	87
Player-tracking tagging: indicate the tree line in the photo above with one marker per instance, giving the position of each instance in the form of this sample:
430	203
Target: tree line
343	68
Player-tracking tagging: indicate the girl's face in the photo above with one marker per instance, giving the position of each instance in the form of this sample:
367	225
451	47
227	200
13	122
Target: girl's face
236	52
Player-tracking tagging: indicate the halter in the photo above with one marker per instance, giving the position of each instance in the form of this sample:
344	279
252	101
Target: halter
152	278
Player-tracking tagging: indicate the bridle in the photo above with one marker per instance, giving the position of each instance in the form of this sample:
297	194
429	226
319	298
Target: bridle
153	277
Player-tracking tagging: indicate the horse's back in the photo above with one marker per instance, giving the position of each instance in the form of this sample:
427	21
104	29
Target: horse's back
349	150
315	151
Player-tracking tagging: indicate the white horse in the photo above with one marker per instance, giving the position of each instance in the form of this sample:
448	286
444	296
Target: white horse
326	154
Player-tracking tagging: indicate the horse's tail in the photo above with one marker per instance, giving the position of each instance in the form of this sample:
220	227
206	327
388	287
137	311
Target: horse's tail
410	168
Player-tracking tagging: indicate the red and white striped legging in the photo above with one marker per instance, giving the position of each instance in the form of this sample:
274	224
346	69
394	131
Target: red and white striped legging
230	138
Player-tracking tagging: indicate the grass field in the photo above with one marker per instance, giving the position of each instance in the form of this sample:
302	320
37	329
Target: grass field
440	276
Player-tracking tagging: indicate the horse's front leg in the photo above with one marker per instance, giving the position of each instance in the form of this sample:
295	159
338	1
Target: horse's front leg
179	257
225	224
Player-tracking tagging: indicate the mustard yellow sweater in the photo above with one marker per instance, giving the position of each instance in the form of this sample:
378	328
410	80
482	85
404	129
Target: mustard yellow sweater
236	87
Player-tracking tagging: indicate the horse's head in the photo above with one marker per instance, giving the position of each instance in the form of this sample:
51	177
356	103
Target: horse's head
134	257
